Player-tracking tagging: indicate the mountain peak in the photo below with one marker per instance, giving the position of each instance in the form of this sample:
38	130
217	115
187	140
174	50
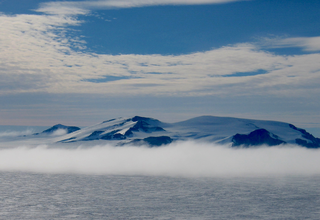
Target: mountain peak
69	129
139	118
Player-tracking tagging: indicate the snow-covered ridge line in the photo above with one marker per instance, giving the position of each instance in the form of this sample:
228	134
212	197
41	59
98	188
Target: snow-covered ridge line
148	131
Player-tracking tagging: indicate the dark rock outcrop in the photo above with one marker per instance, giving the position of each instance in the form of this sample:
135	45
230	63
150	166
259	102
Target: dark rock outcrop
145	125
256	138
113	136
153	141
312	143
158	141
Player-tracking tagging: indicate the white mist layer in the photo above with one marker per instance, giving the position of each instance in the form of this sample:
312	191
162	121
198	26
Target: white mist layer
16	133
59	132
184	159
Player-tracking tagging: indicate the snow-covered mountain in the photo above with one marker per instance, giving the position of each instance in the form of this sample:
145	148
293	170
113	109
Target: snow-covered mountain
223	130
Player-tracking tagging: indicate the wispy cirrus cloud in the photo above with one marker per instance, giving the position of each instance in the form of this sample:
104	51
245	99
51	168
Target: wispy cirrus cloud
37	56
82	7
310	44
29	44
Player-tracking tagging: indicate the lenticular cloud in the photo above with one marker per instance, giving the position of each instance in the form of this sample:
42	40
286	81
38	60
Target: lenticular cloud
184	159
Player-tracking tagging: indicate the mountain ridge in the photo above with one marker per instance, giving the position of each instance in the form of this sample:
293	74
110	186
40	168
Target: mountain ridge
237	132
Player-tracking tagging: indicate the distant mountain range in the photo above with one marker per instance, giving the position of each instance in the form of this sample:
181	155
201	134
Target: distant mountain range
221	130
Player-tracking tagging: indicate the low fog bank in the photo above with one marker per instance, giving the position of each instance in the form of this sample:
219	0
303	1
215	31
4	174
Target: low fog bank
183	159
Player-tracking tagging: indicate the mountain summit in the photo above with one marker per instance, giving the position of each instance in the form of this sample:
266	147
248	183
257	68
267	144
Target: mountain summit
236	132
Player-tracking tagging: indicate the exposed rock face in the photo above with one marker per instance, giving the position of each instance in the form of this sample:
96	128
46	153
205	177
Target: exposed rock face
312	143
153	141
158	141
147	125
68	129
255	138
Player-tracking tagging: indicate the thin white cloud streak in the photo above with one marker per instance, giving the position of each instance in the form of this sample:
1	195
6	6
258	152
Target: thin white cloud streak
16	133
37	56
310	44
186	159
83	7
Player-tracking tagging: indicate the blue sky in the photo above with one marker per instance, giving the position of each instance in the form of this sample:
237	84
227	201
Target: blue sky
82	62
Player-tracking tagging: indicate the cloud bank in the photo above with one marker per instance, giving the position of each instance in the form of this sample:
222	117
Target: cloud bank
185	159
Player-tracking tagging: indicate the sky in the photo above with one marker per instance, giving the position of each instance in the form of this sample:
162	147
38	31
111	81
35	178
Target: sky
83	62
